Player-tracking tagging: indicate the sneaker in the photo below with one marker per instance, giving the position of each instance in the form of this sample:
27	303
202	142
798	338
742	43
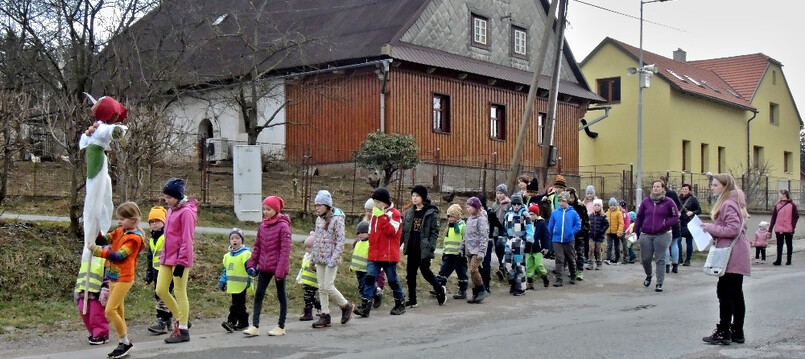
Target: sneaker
441	296
346	313
614	263
606	261
229	327
178	336
121	350
518	293
763	261
411	304
757	261
160	327
647	281
658	288
238	327
277	332
252	331
719	336
97	340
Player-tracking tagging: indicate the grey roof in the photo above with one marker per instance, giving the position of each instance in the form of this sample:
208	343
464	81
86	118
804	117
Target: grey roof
193	42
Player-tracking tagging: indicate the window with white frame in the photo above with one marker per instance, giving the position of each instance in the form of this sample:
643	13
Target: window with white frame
479	30
441	113
497	122
519	41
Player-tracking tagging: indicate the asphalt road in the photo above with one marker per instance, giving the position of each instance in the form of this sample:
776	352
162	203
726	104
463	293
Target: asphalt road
608	315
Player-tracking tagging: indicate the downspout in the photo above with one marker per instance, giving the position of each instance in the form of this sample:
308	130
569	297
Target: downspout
385	78
748	149
586	125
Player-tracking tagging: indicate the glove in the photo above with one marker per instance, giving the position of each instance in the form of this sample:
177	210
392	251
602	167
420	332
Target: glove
377	212
222	286
251	271
178	270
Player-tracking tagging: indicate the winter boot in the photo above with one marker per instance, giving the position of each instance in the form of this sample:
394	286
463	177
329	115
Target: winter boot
675	268
530	285
378	299
737	334
307	315
229	327
545	281
160	327
481	294
460	295
558	282
502	272
323	322
399	307
474	295
364	308
687	263
512	286
441	295
720	336
597	265
178	336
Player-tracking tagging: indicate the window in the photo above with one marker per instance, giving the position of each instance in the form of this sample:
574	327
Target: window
757	155
519	44
788	161
774	77
441	113
479	31
705	158
541	128
685	155
610	89
497	122
774	113
722	159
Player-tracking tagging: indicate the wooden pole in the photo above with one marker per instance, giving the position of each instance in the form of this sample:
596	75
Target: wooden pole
532	94
553	96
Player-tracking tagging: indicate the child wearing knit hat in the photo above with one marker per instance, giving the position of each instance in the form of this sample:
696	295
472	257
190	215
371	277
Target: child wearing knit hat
453	259
534	255
156	220
519	232
310	285
614	232
235	281
381	276
598	228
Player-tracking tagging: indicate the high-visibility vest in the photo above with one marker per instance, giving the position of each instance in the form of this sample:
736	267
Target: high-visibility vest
237	279
360	253
95	273
156	250
308	276
452	242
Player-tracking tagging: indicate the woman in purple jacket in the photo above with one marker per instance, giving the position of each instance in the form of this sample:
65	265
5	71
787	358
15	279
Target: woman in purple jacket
784	222
729	213
655	218
270	258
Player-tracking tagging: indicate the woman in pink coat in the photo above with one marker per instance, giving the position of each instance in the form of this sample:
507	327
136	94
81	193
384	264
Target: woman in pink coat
784	222
729	213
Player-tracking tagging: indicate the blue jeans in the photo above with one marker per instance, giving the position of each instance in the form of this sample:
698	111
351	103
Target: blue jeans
361	277
450	263
369	281
676	249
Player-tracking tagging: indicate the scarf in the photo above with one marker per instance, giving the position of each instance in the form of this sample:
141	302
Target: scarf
269	221
657	198
233	249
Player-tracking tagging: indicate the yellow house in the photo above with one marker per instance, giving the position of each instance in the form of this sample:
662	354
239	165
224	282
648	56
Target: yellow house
695	115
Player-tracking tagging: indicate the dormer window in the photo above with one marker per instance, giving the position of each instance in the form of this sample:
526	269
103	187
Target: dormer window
480	27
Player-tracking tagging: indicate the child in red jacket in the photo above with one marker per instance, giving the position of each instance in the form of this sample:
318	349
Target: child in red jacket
760	242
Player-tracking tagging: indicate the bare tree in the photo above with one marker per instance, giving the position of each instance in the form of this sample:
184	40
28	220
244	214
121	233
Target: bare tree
65	37
14	109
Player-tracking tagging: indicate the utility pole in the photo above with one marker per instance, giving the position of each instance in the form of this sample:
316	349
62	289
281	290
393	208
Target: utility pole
532	93
553	95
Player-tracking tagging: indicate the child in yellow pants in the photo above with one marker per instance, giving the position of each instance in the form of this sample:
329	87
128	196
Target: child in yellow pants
125	244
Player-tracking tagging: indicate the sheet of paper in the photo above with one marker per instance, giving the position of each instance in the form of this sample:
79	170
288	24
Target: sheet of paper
700	237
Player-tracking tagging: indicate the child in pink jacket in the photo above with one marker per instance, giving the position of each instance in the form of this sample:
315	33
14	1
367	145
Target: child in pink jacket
760	242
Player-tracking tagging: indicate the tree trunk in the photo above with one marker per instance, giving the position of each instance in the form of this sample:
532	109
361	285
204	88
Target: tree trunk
387	174
75	207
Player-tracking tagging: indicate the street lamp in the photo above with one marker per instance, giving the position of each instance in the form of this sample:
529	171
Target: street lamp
645	72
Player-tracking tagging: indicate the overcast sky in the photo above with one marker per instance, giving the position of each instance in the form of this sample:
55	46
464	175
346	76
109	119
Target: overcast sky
705	29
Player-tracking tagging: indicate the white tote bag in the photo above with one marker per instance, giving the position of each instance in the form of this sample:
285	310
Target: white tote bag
717	258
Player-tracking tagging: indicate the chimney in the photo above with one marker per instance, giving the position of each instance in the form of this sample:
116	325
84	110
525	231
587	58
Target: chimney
680	55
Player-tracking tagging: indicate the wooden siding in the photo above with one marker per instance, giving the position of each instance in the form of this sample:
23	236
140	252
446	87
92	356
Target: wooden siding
330	116
469	143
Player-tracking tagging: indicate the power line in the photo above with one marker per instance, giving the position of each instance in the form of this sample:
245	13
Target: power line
628	15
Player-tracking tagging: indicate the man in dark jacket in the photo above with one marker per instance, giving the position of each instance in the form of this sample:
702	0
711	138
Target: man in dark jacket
420	233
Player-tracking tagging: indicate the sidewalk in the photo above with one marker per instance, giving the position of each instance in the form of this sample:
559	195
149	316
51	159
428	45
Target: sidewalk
201	230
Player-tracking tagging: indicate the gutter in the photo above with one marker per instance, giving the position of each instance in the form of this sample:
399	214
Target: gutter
586	125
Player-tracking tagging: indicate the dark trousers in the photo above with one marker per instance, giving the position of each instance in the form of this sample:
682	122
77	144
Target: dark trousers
417	264
310	296
613	243
500	249
486	270
163	313
760	253
688	246
450	263
260	292
787	238
580	251
237	311
731	305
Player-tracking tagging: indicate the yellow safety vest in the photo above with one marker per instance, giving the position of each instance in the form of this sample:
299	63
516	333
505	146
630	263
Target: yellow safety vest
95	272
360	253
308	276
156	250
237	279
452	242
